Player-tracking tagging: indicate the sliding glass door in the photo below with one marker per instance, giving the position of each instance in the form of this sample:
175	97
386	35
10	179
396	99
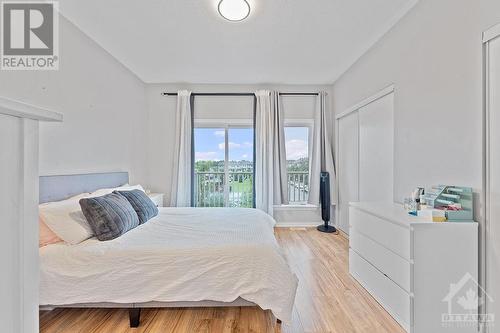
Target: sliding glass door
224	166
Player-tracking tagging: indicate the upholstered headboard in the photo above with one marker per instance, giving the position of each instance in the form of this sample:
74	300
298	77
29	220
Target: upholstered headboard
56	188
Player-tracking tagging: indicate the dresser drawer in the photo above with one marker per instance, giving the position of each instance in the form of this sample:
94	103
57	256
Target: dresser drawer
394	299
390	235
386	261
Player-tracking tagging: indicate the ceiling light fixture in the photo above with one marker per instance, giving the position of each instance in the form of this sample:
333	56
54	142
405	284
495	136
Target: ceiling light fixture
234	10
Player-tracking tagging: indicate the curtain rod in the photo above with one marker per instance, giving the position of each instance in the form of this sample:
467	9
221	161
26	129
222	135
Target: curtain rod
299	94
243	94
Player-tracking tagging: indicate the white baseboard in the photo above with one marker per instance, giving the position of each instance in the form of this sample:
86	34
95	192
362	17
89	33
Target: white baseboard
303	224
296	224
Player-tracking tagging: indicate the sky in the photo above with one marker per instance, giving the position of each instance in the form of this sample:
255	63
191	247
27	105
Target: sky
209	143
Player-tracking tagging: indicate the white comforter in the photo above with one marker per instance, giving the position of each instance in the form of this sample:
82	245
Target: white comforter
183	254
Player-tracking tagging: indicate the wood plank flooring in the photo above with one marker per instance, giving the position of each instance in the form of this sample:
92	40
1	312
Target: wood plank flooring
328	300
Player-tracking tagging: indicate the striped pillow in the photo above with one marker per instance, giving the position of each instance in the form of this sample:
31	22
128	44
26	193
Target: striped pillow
109	216
143	206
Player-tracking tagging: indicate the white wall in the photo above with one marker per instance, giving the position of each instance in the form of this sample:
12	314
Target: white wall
103	104
161	122
112	120
433	56
490	13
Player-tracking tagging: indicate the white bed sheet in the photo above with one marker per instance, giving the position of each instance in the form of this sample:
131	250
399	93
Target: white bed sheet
183	254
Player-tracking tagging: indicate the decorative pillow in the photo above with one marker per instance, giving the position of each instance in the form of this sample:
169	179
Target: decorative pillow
109	216
66	220
143	206
47	236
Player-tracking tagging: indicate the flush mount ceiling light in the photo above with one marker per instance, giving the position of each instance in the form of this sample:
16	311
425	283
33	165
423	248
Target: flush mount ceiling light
234	10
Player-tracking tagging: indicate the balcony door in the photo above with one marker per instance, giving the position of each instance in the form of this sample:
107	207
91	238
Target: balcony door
224	165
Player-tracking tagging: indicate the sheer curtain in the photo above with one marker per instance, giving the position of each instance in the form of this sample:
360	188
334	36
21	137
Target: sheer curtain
322	153
271	186
181	175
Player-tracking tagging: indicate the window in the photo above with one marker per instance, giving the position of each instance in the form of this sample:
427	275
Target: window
223	166
297	158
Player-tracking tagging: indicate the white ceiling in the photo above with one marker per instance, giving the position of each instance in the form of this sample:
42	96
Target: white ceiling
283	41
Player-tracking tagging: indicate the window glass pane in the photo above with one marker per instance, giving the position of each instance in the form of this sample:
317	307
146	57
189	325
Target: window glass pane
297	156
240	165
209	167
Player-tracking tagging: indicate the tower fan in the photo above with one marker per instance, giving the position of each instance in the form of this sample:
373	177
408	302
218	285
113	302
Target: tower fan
324	197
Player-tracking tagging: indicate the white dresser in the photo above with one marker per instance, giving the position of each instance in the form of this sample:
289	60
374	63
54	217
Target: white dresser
420	272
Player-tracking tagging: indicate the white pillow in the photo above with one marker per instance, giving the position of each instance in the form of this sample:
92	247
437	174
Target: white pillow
104	191
66	220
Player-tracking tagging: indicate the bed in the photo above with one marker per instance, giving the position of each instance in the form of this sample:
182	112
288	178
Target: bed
183	257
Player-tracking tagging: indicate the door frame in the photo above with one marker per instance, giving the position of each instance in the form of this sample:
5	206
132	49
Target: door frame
484	235
225	124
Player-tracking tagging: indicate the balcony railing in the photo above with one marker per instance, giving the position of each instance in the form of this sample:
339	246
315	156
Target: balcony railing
298	187
210	189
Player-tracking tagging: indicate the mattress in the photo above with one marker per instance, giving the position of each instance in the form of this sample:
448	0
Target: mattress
181	255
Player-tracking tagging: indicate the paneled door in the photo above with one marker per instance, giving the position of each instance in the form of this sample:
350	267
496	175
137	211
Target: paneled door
376	150
365	153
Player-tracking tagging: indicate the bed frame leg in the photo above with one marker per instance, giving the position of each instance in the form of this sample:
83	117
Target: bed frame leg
134	315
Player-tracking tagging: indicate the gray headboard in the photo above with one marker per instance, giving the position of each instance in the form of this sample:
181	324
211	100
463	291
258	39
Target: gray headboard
56	188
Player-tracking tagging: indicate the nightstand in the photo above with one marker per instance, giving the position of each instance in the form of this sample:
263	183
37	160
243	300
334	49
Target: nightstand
157	198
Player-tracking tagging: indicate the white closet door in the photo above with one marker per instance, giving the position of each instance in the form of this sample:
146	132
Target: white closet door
347	166
376	150
493	215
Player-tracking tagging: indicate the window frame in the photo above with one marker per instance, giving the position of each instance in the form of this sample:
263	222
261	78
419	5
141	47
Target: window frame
225	124
309	123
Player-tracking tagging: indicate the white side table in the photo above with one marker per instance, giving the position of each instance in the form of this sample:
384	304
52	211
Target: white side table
157	198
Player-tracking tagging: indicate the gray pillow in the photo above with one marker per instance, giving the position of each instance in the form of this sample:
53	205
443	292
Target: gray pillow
109	216
143	206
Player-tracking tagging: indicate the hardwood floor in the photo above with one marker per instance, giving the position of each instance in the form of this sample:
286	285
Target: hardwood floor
328	300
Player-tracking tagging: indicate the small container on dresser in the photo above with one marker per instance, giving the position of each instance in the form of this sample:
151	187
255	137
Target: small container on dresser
417	270
157	198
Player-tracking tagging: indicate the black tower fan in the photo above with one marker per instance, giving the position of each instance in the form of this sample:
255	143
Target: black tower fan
324	197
